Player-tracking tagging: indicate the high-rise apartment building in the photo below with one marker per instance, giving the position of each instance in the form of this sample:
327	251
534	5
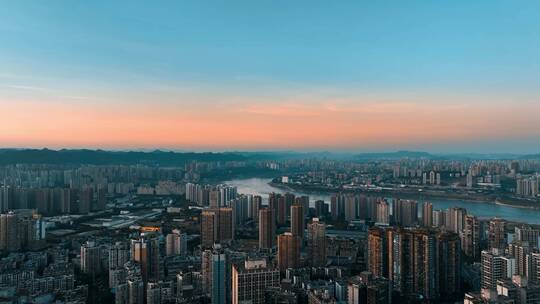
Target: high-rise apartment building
405	212
427	214
424	264
496	266
521	251
526	233
470	237
250	280
135	287
226	225
367	207
282	210
219	278
455	219
9	232
227	194
367	288
68	201
278	204
534	274
497	234
304	202
215	198
448	264
217	226
191	192
378	254
117	259
383	213
351	207
254	207
176	243
290	198
470	180
297	221
281	205
118	255
267	231
288	254
418	261
90	258
206	271
439	218
321	208
6	198
527	186
216	274
20	229
153	293
101	199
145	251
209	228
337	206
432	178
317	243
85	200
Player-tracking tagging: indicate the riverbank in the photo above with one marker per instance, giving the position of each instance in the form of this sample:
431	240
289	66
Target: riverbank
219	176
478	198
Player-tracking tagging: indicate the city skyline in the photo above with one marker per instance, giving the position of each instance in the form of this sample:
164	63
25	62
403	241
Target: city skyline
161	228
262	152
266	76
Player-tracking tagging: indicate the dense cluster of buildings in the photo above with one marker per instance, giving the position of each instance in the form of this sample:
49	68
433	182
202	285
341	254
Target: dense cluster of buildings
528	186
126	235
208	195
513	180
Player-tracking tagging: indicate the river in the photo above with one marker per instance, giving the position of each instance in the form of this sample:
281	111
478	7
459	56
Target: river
260	186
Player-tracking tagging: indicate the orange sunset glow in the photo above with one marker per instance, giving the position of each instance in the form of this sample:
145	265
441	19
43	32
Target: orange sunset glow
295	125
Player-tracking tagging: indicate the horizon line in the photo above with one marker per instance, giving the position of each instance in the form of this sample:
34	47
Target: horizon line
307	151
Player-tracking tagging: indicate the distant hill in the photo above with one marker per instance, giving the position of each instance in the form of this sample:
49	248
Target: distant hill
455	156
393	155
170	158
530	156
293	155
101	157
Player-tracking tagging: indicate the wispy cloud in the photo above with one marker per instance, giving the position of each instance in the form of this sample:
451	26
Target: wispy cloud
283	109
26	88
45	93
15	76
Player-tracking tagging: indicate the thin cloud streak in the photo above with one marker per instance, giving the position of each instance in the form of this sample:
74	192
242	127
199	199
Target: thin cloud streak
26	88
47	92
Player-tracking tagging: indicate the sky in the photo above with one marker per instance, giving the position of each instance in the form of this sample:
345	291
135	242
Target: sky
439	76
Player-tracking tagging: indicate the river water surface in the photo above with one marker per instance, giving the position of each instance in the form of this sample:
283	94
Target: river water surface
260	186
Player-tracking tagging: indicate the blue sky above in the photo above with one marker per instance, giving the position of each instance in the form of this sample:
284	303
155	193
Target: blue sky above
469	45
